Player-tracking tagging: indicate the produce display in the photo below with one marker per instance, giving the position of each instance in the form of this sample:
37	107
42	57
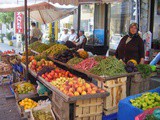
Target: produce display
76	86
8	52
42	115
28	103
45	69
57	73
38	65
66	56
130	67
74	61
23	59
146	101
83	54
24	88
55	50
110	66
40	56
30	53
145	70
86	64
99	58
39	47
4	67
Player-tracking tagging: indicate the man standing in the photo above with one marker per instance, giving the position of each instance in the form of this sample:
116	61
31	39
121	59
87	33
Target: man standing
36	33
64	37
73	35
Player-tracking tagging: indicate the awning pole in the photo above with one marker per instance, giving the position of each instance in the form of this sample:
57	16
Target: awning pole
26	41
29	13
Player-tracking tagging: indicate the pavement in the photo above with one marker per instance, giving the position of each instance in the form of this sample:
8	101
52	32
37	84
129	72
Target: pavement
8	108
4	47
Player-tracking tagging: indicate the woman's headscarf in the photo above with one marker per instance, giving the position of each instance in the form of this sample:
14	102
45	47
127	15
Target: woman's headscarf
130	34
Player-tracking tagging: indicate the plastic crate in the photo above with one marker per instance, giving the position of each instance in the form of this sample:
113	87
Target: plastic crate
14	66
110	117
128	112
20	68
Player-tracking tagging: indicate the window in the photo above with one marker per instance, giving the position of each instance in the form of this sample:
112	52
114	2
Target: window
156	27
92	22
121	15
87	21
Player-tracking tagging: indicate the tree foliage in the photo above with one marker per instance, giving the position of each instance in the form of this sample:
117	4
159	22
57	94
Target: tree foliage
7	17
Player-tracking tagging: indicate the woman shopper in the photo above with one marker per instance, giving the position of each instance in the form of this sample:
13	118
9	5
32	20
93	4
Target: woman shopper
131	46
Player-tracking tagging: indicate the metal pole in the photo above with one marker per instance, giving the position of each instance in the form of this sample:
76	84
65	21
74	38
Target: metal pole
26	41
29	25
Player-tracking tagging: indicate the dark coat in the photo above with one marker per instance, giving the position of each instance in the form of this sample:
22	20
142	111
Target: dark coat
134	49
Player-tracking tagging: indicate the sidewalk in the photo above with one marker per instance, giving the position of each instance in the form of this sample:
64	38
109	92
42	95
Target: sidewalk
4	47
8	109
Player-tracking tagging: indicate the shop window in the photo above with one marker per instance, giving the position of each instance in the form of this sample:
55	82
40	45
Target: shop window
92	22
87	21
121	15
156	28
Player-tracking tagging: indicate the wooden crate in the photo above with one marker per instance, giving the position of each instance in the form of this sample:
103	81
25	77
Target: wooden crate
89	109
117	90
139	84
22	96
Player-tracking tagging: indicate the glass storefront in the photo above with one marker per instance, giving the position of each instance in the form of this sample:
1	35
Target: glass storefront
87	21
92	22
156	26
121	15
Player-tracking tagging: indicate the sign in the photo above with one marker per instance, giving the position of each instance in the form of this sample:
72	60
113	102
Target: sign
19	22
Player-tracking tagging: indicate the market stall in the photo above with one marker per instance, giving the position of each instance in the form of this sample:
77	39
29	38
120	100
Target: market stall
70	62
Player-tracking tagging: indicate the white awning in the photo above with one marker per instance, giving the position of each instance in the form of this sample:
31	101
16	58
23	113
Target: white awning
43	12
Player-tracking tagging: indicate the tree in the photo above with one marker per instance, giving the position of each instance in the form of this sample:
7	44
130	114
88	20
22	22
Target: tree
7	18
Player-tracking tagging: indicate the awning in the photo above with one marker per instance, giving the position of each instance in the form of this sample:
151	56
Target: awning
77	2
74	2
43	12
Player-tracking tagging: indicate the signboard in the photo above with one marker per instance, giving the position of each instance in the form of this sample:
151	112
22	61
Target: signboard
19	22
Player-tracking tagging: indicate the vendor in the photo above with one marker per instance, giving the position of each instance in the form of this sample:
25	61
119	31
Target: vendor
131	46
36	33
78	43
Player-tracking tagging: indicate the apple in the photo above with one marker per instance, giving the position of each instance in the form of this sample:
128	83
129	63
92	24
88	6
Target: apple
79	89
76	93
87	85
89	90
95	88
70	94
102	91
70	83
83	93
93	92
92	85
71	90
83	88
75	86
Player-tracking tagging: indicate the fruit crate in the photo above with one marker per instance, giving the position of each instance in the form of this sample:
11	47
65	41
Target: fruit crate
117	89
128	112
27	113
22	96
138	84
87	109
6	79
45	109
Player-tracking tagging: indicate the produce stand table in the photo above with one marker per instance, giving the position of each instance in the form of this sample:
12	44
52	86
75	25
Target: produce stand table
128	112
77	107
119	86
